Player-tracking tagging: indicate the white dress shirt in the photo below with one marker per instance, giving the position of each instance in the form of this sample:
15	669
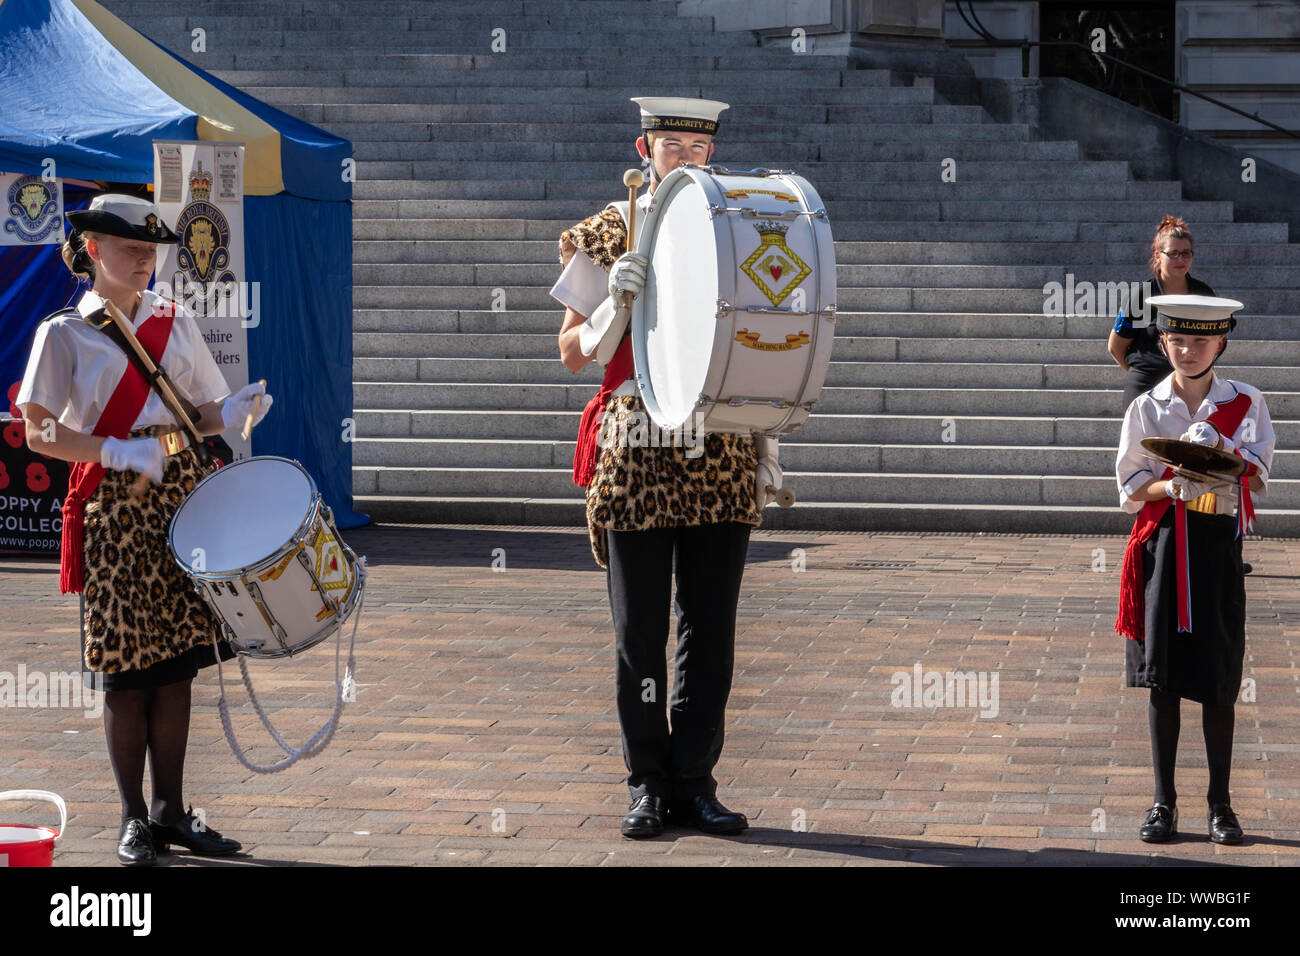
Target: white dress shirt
1159	413
74	369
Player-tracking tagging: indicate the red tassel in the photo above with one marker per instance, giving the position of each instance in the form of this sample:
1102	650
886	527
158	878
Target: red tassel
1132	597
586	452
72	558
1181	569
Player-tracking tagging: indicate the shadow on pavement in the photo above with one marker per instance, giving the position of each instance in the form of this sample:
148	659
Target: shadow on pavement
550	550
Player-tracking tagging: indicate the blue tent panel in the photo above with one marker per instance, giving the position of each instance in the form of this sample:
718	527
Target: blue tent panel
302	344
67	94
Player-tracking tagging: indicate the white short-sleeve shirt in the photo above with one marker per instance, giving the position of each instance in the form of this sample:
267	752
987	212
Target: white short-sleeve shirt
1160	413
74	369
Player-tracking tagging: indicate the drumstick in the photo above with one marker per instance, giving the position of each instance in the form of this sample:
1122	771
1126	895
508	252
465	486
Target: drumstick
248	422
784	496
633	180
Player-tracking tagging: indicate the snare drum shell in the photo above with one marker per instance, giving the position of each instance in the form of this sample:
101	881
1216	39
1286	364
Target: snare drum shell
267	499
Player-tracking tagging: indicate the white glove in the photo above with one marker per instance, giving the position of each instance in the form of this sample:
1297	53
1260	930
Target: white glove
768	470
1184	489
1203	433
143	455
239	405
628	274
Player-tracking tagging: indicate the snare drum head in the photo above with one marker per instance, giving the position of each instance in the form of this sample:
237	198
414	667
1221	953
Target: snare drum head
241	515
675	322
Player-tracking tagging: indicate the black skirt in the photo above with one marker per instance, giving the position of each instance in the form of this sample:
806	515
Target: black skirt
1205	665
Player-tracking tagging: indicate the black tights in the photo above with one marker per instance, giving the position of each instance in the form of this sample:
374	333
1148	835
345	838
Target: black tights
156	722
1216	724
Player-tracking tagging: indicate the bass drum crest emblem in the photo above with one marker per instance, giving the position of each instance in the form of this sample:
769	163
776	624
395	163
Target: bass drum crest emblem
33	210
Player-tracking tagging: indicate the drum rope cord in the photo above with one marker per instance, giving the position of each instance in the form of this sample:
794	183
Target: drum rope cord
322	737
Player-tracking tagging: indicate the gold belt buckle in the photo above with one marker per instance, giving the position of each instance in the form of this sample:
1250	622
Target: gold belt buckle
173	443
1205	503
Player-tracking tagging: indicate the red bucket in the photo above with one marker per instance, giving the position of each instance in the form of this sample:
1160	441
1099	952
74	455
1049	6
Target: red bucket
24	845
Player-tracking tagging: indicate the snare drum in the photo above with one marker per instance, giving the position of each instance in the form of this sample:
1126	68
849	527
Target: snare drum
262	550
734	329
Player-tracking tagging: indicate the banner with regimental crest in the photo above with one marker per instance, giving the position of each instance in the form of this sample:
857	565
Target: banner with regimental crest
33	210
199	187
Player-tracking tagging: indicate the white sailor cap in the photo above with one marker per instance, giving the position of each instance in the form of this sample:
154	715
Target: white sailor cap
117	214
1195	314
679	113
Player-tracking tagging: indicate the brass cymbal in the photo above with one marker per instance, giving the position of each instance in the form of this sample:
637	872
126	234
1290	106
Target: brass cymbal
1195	461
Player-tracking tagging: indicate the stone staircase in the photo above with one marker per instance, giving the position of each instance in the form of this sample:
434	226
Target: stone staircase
952	402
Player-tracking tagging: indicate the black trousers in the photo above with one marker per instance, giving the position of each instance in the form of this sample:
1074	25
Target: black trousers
671	753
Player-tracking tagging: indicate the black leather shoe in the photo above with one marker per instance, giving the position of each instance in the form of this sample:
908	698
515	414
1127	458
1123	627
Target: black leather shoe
135	845
1161	824
1224	827
707	814
645	818
1247	567
188	832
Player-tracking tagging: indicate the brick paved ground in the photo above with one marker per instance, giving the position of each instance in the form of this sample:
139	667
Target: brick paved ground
484	729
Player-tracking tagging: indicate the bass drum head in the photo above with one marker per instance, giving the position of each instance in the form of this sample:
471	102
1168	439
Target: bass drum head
674	323
241	515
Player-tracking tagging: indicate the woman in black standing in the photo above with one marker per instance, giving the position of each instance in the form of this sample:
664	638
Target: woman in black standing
1134	343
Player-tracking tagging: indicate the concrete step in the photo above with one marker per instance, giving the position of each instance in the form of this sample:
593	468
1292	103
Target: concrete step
797	458
398	116
1064	257
805	516
562	425
848	348
1091	329
1094	286
508	75
734	153
830	487
957	375
829	94
955	232
1086	333
378	134
596	189
852	299
417	30
396	8
816	172
951	210
1127	254
430	39
941	402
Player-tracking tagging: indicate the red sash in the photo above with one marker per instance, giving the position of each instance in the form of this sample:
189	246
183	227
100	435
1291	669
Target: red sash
123	408
618	371
1131	621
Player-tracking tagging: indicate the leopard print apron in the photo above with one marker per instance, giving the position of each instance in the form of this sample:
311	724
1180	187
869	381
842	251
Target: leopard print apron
667	485
140	607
